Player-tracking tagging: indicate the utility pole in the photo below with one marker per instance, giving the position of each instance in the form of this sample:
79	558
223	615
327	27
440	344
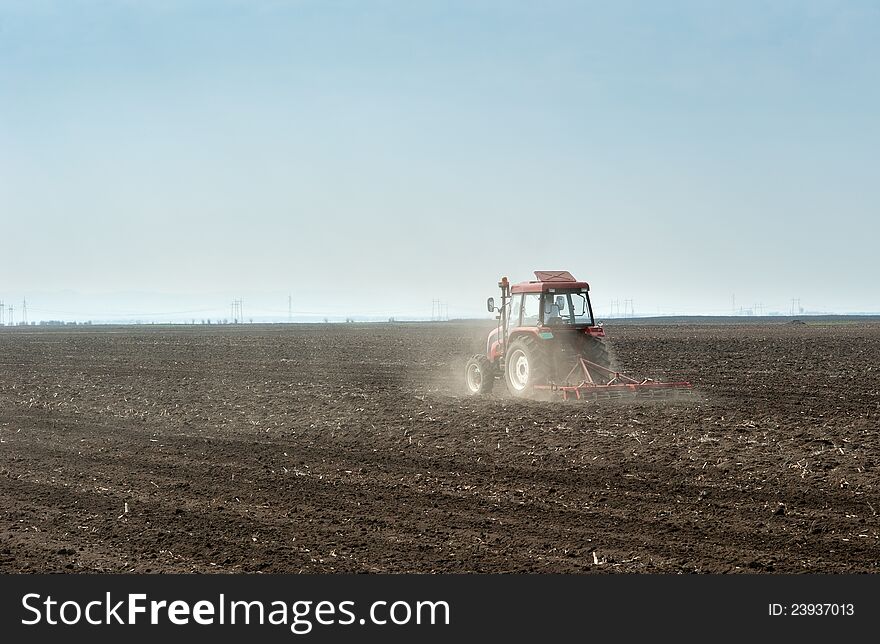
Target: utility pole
1	312
24	311
11	310
616	304
237	312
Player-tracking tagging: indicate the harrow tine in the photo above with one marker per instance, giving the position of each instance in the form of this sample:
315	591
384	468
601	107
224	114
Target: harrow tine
621	386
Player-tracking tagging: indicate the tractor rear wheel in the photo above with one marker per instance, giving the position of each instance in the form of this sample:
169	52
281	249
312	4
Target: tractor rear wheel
595	350
525	366
479	375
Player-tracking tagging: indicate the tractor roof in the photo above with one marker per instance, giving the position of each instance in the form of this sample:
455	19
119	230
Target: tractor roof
548	280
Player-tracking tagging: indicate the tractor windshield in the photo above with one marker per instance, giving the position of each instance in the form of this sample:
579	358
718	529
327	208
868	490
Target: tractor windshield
567	308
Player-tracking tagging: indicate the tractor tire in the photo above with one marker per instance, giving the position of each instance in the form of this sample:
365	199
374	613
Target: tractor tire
526	366
595	350
479	375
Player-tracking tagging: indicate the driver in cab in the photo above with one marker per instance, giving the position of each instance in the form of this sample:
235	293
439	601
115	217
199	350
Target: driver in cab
552	309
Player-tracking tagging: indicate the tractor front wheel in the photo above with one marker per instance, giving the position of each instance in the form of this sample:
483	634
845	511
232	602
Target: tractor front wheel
479	375
525	366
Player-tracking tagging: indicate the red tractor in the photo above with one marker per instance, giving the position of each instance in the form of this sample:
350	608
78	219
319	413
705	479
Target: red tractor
547	340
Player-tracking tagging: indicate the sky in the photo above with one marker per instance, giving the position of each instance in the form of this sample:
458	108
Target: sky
365	158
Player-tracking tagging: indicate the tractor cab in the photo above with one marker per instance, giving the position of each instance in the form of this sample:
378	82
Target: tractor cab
554	307
555	302
555	298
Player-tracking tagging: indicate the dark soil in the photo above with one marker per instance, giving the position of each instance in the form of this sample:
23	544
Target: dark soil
350	448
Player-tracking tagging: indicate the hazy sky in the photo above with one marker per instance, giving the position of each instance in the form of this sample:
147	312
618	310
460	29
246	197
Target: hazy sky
368	157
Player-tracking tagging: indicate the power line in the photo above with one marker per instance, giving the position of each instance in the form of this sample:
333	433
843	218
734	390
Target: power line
126	314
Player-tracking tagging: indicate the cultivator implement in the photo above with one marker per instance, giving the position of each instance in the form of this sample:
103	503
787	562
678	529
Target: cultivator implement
603	382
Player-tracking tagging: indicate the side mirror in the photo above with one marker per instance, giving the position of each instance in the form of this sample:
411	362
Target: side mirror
490	304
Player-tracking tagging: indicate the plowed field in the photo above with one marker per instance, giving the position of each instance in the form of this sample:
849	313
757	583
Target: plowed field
352	448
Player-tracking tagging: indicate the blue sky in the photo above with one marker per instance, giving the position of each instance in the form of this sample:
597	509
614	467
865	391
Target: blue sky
368	157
